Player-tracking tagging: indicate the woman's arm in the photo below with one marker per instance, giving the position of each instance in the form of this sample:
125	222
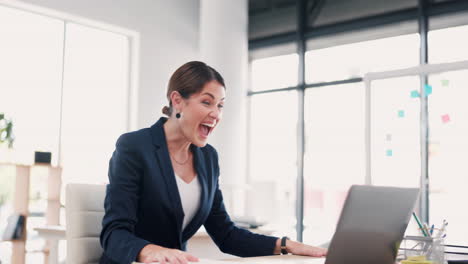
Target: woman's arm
121	204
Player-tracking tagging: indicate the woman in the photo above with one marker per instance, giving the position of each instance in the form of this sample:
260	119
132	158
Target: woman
164	183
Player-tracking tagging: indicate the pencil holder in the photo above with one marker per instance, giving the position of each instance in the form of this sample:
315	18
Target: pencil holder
424	250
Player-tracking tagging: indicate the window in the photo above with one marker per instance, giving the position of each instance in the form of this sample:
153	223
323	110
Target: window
448	149
356	59
94	101
78	121
264	72
334	155
448	44
30	81
31	50
335	117
395	132
273	153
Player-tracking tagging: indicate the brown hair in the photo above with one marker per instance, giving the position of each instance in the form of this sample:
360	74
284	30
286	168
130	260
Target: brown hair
189	79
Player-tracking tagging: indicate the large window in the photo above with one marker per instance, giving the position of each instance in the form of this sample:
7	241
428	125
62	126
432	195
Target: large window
273	155
334	155
94	101
65	87
448	149
356	59
395	130
264	71
334	125
31	51
448	44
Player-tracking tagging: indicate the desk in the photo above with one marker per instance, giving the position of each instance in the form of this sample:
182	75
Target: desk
202	246
199	245
278	259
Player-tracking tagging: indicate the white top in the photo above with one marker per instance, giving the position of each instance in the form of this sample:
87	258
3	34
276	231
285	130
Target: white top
190	194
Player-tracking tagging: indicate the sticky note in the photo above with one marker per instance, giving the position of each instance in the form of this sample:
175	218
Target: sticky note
445	118
388	137
445	82
389	152
414	94
401	113
427	89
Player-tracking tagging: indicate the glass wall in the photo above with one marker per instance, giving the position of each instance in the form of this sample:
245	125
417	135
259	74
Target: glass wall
334	118
448	149
272	163
334	155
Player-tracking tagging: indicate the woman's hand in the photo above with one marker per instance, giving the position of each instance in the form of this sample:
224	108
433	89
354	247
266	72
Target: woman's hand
297	248
154	253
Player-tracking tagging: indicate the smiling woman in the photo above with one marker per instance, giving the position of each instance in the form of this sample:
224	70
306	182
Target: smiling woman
196	94
164	183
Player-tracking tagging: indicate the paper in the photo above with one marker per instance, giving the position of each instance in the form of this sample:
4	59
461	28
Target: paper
401	113
445	118
445	82
414	94
427	90
389	153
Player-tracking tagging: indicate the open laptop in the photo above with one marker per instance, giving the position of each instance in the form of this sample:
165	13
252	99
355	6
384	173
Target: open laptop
372	224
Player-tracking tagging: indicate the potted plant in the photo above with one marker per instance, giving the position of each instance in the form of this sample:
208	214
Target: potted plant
6	131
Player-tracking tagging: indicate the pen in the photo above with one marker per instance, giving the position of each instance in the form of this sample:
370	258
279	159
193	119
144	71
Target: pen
442	229
427	229
420	225
432	229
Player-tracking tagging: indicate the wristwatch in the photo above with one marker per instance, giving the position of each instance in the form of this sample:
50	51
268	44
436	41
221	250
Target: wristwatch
283	245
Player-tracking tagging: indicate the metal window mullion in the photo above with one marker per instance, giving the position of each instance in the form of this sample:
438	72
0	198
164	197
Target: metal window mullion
300	39
424	125
62	82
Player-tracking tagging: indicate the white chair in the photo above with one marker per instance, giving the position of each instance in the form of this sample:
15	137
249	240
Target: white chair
84	212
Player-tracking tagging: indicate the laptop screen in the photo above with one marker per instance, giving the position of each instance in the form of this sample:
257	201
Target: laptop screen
372	224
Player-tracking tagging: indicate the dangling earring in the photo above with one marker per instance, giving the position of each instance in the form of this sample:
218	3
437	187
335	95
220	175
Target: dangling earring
177	115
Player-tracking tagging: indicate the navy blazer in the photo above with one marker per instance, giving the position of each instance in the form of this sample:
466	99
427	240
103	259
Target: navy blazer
142	204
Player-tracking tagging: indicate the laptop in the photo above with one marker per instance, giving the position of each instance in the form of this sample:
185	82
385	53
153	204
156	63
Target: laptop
372	225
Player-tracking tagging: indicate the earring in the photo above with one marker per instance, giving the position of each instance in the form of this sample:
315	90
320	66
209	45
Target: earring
177	115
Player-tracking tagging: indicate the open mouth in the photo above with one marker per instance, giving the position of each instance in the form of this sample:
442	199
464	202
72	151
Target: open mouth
205	129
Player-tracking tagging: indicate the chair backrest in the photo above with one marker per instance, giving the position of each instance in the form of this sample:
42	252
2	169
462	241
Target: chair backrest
84	212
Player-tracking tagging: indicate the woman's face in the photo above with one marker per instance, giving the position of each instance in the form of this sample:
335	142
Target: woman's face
202	112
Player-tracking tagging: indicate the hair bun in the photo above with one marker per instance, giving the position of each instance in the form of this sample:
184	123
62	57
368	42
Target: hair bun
166	110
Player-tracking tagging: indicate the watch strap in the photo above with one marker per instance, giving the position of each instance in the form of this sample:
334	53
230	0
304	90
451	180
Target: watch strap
283	245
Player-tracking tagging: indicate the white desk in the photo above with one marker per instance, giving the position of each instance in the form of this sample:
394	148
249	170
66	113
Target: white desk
199	245
278	259
202	246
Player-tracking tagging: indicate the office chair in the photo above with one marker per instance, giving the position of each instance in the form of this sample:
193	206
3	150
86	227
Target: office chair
84	212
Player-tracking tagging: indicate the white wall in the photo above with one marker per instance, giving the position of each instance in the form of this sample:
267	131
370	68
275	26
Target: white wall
223	45
168	37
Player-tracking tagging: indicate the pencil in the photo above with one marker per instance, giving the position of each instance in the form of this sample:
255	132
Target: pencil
420	225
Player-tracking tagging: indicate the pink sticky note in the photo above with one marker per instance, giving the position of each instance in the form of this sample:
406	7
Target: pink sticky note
445	118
